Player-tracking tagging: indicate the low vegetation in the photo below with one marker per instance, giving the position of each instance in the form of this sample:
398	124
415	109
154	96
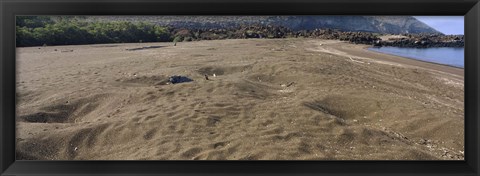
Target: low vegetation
40	30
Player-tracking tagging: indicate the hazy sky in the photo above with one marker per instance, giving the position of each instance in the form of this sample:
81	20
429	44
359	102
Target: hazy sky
445	24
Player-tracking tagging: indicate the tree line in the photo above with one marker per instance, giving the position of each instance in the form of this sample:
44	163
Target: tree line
43	30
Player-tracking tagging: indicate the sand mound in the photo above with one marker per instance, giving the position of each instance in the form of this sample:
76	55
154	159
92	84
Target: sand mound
225	70
146	80
67	112
345	107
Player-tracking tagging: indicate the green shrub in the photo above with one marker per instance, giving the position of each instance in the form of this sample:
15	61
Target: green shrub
34	31
177	39
187	39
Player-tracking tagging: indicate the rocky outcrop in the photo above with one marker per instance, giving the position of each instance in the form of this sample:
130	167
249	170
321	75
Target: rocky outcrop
270	31
425	40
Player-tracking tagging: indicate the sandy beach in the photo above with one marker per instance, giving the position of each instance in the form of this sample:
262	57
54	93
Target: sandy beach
270	99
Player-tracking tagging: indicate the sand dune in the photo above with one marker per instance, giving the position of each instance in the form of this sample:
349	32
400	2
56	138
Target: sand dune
285	99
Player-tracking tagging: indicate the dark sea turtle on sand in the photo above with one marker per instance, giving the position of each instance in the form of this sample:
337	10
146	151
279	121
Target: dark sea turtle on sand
179	79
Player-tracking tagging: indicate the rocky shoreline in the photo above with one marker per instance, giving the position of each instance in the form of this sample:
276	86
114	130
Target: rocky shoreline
269	31
425	41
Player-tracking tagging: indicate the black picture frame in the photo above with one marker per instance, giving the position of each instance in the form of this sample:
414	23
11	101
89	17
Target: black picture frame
10	8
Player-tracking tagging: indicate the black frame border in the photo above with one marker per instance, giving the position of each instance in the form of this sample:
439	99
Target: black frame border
10	8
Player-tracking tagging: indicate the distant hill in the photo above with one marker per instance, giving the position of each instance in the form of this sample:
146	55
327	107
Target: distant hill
376	24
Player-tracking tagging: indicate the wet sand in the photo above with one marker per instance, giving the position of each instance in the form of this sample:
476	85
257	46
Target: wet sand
278	99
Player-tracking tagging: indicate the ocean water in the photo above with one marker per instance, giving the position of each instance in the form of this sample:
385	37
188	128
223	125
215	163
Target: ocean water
441	55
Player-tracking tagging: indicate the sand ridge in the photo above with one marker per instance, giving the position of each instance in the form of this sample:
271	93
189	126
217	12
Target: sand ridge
279	99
